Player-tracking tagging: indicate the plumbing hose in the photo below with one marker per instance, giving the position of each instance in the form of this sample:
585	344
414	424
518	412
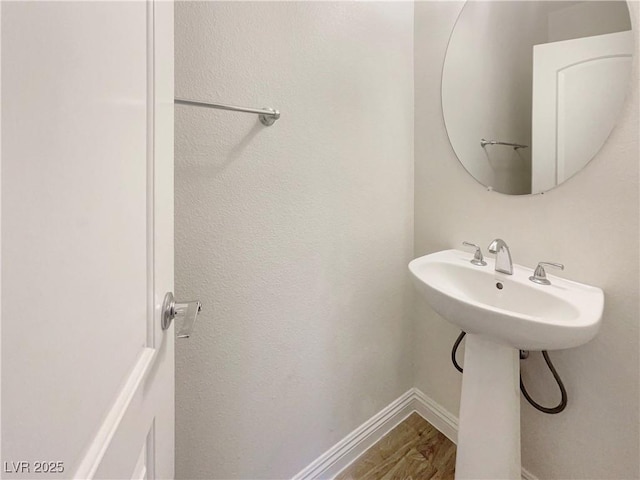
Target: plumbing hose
455	349
550	410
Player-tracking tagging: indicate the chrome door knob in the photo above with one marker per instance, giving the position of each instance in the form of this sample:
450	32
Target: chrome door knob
188	311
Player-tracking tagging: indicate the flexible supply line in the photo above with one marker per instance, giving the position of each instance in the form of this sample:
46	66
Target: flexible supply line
563	391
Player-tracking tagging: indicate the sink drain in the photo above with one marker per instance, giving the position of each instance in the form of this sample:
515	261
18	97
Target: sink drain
499	286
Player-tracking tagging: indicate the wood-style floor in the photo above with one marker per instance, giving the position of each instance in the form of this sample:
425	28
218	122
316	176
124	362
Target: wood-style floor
414	450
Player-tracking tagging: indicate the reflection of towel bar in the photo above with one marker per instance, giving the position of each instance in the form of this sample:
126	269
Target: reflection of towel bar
484	143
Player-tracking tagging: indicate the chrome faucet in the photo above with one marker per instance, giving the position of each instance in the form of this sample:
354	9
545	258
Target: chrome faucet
503	256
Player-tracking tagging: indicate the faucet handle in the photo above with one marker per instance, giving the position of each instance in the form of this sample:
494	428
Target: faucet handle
540	276
478	259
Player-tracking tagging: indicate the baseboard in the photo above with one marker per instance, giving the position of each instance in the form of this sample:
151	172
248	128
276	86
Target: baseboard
347	450
343	453
436	415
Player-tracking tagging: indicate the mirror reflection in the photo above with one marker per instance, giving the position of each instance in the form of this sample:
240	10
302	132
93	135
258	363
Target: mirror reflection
532	90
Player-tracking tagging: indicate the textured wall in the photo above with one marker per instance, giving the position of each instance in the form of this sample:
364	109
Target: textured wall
590	224
295	237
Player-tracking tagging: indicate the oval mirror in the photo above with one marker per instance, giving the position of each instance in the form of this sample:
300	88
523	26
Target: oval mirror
532	90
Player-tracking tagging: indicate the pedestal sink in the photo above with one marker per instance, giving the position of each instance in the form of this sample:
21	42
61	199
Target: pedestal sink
501	314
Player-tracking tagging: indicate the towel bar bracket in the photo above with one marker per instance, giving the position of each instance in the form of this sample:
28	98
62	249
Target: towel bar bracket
268	120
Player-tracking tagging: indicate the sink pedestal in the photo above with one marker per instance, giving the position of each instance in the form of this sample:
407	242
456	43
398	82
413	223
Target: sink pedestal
489	425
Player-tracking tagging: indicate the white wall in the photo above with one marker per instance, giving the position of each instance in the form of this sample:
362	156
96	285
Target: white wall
590	224
295	237
585	19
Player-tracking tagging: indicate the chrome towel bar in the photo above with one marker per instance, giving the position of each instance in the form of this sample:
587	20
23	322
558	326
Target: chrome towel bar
484	143
267	116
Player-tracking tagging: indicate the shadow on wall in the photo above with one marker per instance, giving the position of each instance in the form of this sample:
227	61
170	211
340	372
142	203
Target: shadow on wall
214	135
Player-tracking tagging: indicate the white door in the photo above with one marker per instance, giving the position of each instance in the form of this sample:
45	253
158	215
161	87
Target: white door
579	87
87	239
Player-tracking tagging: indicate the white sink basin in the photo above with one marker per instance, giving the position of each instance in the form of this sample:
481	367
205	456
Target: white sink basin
521	314
501	314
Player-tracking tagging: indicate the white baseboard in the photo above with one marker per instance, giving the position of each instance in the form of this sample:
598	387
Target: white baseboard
347	450
436	415
343	453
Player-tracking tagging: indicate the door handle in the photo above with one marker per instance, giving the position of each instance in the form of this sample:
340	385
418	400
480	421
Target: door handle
188	311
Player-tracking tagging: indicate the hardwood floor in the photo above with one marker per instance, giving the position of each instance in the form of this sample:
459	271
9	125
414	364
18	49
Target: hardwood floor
414	450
